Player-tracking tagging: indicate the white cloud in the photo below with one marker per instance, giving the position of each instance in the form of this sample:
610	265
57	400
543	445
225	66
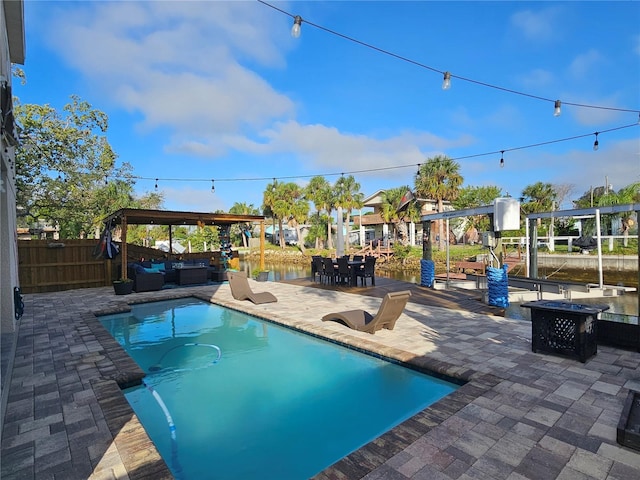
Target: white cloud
178	63
187	198
537	78
582	64
594	117
538	26
327	147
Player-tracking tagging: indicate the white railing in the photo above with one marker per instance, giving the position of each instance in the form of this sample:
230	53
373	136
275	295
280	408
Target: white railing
550	242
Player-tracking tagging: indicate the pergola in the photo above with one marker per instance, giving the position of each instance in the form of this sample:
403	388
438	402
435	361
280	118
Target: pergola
135	216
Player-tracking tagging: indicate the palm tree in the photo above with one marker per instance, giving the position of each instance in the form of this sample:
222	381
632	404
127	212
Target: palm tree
389	209
268	201
241	208
289	203
439	179
538	197
299	213
320	193
348	197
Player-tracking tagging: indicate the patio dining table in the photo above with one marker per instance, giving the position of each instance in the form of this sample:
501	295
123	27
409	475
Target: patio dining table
354	268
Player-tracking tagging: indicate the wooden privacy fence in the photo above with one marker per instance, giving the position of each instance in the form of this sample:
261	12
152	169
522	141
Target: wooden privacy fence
51	266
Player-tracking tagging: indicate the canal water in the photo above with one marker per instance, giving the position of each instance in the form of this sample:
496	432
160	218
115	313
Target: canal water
620	304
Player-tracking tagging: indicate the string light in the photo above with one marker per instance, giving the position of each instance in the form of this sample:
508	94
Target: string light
418	172
557	111
596	144
213	187
106	180
381	169
156	184
295	30
501	158
446	82
427	67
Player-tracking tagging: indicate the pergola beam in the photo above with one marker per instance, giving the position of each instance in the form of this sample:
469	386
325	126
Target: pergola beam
136	216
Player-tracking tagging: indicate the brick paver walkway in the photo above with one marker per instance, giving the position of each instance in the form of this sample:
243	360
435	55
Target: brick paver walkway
519	416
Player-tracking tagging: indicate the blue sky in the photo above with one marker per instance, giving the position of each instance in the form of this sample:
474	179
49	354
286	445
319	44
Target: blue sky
221	90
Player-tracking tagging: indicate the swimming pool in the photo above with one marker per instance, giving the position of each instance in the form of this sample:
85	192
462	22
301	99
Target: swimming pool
270	403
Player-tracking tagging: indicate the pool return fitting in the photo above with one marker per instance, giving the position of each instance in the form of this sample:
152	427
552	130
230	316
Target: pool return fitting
158	366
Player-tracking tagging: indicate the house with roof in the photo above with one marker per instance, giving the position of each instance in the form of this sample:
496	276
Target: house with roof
371	226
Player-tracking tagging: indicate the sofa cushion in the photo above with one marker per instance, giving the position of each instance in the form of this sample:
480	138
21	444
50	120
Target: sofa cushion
157	267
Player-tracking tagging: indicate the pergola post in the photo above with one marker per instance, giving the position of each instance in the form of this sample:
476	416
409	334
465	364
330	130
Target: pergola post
123	253
262	244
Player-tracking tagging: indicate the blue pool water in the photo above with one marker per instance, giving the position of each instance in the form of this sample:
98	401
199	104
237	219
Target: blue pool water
274	403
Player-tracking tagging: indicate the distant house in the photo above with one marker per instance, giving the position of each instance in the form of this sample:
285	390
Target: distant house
290	234
371	226
163	245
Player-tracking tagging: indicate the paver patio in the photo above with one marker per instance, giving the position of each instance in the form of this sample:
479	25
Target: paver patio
519	416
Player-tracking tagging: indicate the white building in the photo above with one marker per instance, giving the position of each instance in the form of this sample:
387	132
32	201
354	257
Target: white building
12	50
372	226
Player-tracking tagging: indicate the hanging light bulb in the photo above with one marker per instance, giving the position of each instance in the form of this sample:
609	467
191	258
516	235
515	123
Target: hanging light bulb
295	30
106	180
273	187
418	172
501	158
596	144
156	184
213	187
557	111
446	82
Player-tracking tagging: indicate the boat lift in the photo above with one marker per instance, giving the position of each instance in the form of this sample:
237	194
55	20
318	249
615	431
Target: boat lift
531	231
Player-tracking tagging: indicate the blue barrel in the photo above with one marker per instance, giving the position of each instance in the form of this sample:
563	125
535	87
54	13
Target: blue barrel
498	286
427	273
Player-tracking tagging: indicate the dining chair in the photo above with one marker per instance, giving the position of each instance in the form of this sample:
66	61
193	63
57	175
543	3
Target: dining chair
317	268
368	271
329	273
343	275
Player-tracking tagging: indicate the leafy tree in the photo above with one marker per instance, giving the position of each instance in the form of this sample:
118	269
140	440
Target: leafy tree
204	236
318	229
439	179
604	196
66	170
349	197
472	197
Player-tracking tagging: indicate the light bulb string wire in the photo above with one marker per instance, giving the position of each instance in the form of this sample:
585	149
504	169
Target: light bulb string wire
442	72
382	169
